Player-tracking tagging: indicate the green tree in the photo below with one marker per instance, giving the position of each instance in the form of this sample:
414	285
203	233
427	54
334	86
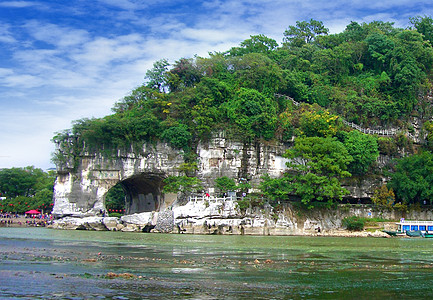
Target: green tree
253	113
156	77
185	73
42	200
354	32
204	116
139	98
379	49
16	182
383	197
319	165
255	44
182	184
225	184
304	32
423	25
259	72
364	150
410	44
276	189
412	180
336	63
26	188
115	198
177	136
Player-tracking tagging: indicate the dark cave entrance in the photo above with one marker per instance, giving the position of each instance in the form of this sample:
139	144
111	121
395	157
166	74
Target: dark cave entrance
141	193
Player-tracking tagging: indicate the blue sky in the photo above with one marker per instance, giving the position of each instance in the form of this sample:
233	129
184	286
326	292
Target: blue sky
65	60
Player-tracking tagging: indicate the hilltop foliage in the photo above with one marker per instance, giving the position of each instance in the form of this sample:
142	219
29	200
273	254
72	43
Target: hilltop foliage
372	74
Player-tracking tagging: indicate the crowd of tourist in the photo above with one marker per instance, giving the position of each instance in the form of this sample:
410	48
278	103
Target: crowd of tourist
16	220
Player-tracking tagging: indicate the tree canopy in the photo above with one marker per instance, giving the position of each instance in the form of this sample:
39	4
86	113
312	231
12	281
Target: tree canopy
319	164
412	181
371	74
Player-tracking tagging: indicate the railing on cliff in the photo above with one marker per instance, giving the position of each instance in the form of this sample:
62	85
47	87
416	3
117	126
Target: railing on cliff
211	199
381	132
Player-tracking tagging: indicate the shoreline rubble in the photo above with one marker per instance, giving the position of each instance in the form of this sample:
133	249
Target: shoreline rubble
163	222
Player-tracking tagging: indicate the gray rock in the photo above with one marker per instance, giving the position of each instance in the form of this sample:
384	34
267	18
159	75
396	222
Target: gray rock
88	223
130	228
165	222
138	219
110	223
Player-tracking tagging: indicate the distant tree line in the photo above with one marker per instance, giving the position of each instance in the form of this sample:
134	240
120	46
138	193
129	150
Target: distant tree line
24	189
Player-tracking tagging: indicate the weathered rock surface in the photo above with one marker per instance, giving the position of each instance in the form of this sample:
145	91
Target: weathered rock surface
140	218
87	223
81	187
131	228
165	221
110	223
223	217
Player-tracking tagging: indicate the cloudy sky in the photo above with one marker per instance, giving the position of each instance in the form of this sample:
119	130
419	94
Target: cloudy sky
65	60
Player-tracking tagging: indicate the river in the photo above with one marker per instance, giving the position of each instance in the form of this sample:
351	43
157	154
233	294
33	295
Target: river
40	263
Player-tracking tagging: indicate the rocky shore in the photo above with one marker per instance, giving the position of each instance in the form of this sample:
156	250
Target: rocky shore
121	224
198	217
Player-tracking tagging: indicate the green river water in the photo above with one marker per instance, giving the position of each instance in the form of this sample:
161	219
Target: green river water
39	263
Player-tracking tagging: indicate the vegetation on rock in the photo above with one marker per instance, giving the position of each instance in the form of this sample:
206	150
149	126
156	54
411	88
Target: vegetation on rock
353	223
372	74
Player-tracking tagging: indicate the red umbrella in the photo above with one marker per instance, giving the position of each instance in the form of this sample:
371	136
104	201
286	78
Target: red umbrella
32	212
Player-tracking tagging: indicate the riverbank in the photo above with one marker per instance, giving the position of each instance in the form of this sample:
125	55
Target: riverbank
225	218
22	221
145	222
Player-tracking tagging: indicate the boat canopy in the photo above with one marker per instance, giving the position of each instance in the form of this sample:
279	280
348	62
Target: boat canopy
406	225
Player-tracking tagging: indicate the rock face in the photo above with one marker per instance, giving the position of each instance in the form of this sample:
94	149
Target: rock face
87	223
80	189
221	216
165	222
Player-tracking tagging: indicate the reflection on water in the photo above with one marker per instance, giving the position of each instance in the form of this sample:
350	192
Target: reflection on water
38	263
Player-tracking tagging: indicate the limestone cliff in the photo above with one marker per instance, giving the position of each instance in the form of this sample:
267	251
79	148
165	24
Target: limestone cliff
80	190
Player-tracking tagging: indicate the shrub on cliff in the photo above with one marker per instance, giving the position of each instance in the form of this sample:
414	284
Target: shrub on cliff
353	223
225	184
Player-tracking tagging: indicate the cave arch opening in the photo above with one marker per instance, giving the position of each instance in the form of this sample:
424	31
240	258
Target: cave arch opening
136	194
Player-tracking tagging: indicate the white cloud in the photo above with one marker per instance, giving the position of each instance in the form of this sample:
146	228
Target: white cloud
102	51
208	35
59	36
6	72
123	4
20	80
6	36
27	136
18	4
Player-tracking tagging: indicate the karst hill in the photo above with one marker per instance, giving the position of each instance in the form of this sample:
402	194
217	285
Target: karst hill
320	119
